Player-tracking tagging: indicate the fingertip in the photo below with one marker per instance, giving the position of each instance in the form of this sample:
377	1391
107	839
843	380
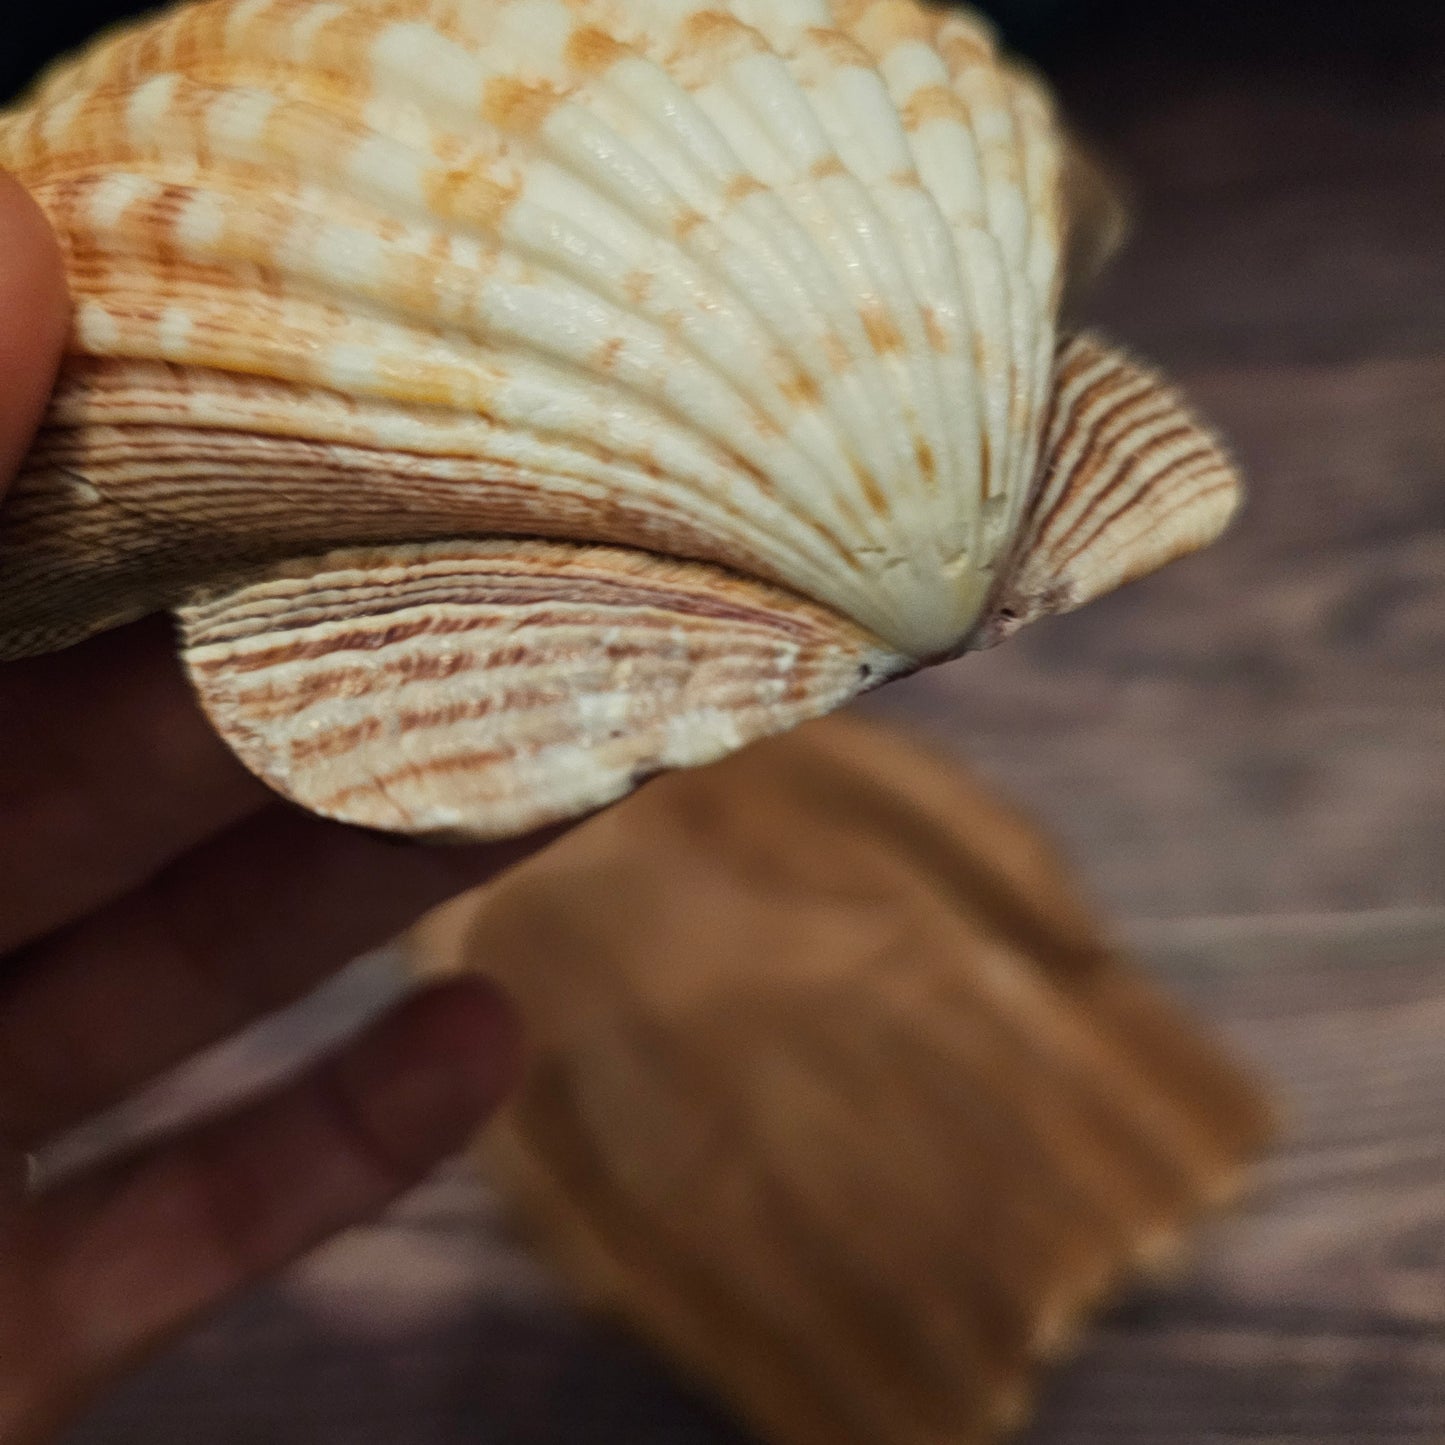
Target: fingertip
32	268
474	1034
34	318
429	1076
200	1216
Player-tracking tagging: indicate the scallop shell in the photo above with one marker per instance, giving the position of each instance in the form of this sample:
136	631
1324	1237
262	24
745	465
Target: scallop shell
515	398
836	1091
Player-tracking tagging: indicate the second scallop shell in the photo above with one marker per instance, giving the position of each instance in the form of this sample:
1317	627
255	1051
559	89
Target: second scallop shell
837	1091
516	398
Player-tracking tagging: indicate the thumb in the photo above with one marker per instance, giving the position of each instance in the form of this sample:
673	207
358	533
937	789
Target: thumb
34	317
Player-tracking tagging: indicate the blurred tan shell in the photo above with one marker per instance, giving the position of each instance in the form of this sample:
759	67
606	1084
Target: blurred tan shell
759	298
836	1091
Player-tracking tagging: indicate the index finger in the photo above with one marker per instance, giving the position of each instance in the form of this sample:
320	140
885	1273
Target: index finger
34	319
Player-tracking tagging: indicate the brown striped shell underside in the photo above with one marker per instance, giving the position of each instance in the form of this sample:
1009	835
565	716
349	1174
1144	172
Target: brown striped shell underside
516	398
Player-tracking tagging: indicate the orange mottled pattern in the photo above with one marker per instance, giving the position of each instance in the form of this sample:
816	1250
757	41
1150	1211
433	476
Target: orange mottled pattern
652	232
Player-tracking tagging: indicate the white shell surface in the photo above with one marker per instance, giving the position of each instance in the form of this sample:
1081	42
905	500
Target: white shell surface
771	281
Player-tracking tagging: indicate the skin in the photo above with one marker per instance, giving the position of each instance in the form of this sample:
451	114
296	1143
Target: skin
154	900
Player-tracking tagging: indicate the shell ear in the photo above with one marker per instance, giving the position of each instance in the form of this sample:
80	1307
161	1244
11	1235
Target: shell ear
1096	210
1130	480
481	690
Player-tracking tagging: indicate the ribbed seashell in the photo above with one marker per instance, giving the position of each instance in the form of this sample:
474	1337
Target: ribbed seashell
836	1091
742	318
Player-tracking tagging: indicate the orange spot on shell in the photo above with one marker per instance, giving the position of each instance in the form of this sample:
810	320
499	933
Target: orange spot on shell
340	38
937	336
741	187
927	463
177	46
687	222
471	194
803	390
936	102
637	286
828	167
166	211
873	494
839	48
609	353
882	331
848	12
964	49
594	52
886	24
724	37
517	106
342	46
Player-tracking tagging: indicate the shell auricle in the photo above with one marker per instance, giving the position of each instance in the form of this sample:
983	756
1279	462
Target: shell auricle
514	399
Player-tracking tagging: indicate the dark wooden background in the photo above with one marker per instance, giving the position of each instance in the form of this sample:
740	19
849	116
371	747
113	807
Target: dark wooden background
1244	757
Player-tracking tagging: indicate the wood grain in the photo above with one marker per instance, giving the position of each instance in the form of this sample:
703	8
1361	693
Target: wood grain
1313	1314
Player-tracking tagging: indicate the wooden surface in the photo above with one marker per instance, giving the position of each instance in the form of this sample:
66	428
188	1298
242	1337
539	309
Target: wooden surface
1243	756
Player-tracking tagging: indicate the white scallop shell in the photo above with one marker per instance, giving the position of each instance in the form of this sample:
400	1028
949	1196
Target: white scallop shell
766	284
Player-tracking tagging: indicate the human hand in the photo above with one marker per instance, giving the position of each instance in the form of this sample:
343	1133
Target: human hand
154	900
